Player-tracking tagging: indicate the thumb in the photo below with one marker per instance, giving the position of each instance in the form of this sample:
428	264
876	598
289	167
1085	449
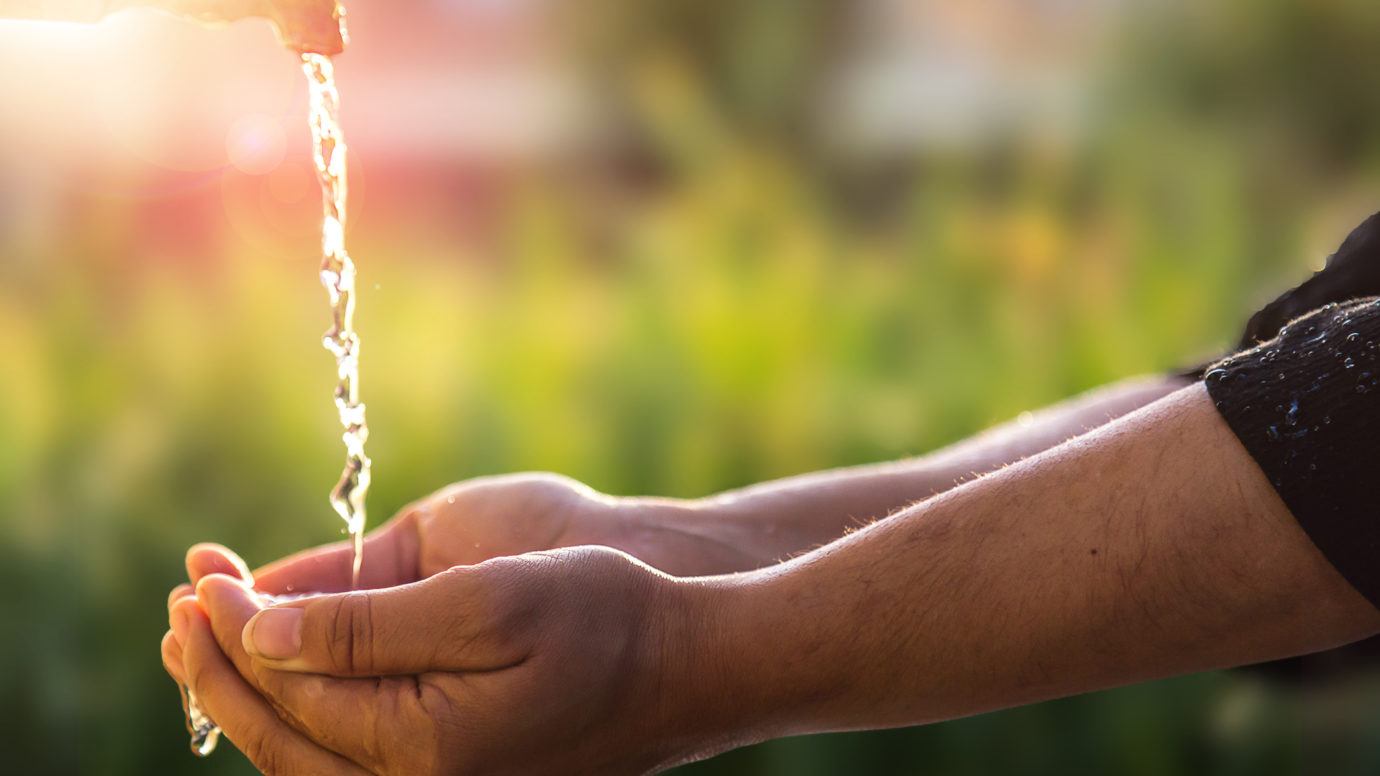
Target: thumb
454	621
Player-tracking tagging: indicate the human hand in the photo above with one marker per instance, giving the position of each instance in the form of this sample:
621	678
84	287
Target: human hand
563	661
491	517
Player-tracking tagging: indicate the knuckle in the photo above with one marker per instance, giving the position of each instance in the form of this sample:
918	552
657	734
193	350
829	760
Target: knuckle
362	633
349	640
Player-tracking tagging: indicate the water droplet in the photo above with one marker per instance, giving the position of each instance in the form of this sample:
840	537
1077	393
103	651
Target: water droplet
205	733
1273	433
1353	337
1219	374
1348	363
1362	389
1292	417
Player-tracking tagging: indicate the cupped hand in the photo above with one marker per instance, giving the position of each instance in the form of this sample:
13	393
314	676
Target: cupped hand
492	517
471	522
554	662
460	525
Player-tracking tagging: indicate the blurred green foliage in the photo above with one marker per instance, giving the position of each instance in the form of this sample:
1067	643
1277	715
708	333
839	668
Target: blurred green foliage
750	318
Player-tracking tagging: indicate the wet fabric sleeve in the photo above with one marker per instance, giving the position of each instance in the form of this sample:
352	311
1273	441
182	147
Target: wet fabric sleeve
1306	405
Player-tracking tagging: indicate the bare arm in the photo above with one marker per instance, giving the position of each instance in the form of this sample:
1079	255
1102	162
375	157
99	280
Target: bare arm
1150	548
739	531
763	524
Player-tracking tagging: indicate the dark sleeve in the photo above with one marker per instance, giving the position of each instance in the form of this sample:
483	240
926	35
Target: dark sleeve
1306	405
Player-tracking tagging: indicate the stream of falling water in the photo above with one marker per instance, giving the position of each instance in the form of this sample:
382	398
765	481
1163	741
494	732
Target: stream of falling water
338	276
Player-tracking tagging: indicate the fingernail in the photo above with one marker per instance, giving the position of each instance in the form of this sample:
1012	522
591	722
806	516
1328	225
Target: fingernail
180	626
275	634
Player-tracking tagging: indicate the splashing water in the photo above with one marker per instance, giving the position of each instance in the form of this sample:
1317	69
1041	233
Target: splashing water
338	276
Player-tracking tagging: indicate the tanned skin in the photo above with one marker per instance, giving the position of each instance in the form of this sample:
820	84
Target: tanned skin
1150	547
739	530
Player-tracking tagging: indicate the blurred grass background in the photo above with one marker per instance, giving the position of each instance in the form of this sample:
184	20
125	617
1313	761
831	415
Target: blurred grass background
769	237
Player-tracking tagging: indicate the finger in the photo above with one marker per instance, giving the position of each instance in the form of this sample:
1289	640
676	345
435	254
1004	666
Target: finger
207	558
242	714
390	559
178	593
339	714
172	658
449	622
226	600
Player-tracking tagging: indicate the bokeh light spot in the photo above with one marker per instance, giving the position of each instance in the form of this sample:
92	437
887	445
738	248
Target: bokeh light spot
255	144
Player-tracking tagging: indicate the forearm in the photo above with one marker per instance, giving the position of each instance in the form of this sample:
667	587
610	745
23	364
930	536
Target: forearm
1152	548
764	524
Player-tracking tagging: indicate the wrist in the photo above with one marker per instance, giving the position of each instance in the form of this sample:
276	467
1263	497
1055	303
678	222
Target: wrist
703	701
740	663
689	538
